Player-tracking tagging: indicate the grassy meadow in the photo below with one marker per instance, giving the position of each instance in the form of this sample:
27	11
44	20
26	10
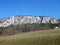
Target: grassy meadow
43	37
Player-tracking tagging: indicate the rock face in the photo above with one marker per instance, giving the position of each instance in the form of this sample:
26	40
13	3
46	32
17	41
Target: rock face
27	19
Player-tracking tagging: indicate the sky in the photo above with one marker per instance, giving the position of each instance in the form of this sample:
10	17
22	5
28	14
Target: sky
10	8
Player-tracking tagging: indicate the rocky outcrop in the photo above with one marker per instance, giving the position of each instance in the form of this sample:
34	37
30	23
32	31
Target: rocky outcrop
27	19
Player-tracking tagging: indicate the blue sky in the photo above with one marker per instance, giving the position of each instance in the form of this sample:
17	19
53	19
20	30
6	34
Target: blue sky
30	7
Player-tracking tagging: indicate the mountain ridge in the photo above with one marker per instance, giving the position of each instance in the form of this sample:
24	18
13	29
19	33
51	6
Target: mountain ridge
14	20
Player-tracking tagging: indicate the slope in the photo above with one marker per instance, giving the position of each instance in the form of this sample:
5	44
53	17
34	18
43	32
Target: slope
43	37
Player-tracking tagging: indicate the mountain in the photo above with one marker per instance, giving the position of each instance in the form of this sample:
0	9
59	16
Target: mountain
14	20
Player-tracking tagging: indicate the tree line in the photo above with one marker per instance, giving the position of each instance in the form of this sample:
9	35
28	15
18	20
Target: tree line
14	29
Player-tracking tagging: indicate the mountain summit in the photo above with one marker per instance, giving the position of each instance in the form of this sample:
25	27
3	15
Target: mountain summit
14	20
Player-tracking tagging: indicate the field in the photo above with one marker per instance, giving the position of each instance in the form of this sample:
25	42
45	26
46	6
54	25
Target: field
43	37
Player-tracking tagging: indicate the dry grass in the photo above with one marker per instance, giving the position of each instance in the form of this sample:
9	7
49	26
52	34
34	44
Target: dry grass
43	37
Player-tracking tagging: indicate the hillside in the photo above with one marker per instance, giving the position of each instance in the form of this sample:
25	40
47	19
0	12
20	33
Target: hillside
43	37
15	29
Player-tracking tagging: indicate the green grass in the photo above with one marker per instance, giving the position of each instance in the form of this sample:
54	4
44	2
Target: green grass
43	37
